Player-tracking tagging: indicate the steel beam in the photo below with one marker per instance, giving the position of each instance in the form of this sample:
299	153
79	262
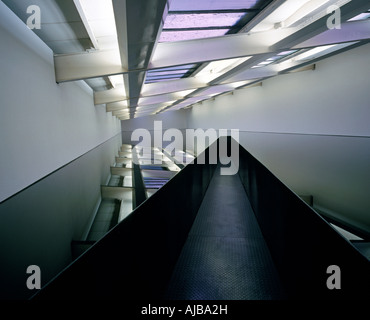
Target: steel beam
72	67
137	40
107	96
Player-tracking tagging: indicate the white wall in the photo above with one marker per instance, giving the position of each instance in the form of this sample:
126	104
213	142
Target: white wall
169	119
45	128
38	224
43	125
333	99
311	129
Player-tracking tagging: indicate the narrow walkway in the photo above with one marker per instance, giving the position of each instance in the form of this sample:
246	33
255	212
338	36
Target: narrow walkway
225	256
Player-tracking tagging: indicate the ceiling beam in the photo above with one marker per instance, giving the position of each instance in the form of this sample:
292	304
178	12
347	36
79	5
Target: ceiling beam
116	106
159	98
163	87
107	96
102	63
137	40
349	31
209	49
152	89
72	67
319	26
284	66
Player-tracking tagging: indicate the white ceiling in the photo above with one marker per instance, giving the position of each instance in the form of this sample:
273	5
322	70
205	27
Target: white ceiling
121	48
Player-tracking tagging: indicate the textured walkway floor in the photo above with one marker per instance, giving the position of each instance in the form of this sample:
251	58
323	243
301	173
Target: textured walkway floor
225	256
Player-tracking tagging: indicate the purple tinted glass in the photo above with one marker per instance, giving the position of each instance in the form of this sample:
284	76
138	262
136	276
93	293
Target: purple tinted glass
160	80
163	77
186	66
190	5
167	36
165	73
202	20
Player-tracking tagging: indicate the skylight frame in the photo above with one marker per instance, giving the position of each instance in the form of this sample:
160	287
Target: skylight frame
172	36
243	12
201	20
217	5
170	73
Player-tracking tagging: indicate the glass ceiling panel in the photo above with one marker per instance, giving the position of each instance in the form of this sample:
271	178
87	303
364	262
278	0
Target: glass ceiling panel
191	5
159	79
275	59
197	19
170	73
167	36
164	73
163	77
186	66
202	20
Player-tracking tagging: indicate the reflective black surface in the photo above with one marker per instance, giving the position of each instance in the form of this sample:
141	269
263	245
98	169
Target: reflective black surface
279	248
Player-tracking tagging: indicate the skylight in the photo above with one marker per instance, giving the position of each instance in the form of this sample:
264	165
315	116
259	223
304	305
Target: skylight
170	36
171	73
188	20
203	5
321	51
202	20
278	57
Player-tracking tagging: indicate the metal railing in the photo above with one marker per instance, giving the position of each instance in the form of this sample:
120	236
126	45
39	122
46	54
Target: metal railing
303	245
136	258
